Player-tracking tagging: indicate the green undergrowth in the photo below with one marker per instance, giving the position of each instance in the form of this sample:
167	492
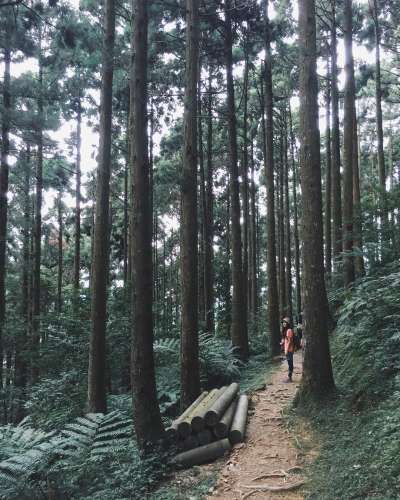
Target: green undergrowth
359	429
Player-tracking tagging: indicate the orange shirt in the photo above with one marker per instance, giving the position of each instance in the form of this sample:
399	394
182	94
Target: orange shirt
289	344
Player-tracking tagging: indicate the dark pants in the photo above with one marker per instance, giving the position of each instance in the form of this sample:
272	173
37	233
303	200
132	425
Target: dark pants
289	357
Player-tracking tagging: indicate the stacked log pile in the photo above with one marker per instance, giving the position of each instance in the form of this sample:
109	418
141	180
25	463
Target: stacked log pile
210	426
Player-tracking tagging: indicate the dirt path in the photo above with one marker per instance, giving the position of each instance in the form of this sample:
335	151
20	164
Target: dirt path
268	450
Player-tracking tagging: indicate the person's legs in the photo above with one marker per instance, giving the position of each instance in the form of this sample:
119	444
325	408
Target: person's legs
289	357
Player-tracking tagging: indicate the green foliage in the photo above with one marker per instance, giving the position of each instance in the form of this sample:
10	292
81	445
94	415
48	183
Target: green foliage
360	428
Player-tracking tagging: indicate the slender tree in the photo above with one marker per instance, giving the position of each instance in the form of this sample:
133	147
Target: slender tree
328	178
4	168
295	217
37	230
273	303
239	312
77	253
97	397
348	144
147	418
336	180
60	251
190	374
375	10
209	216
317	370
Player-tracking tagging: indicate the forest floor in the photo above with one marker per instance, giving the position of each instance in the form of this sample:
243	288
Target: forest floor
276	452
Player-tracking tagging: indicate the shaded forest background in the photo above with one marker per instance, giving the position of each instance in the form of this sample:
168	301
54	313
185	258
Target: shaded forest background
230	191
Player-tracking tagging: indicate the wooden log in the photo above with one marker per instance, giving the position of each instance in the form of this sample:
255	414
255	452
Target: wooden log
221	430
215	412
204	437
179	425
198	416
202	454
190	442
238	428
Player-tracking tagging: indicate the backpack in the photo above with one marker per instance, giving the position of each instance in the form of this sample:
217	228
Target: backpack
296	340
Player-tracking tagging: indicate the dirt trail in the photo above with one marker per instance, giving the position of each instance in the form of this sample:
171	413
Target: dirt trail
268	449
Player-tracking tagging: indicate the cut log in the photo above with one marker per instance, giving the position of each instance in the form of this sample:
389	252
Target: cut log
214	414
221	430
238	428
205	437
172	431
198	415
181	424
190	442
203	454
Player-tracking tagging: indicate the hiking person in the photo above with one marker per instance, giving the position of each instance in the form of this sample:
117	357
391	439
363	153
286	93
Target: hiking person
288	345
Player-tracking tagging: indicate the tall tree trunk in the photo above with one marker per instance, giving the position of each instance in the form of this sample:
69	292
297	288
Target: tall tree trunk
288	239
239	333
273	304
77	254
253	246
295	219
358	240
190	371
245	186
281	233
202	210
97	396
147	418
336	181
375	9
4	168
328	177
209	219
60	252
37	232
21	367
317	370
348	146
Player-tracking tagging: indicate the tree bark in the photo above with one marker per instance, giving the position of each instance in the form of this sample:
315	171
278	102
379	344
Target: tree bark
336	181
190	374
77	254
328	178
253	246
60	252
239	333
348	146
209	220
97	392
317	370
281	233
4	170
273	303
358	238
21	367
375	9
245	186
295	220
37	231
147	418
288	239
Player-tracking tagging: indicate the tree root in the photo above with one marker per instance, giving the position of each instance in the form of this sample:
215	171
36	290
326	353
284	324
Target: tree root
268	487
